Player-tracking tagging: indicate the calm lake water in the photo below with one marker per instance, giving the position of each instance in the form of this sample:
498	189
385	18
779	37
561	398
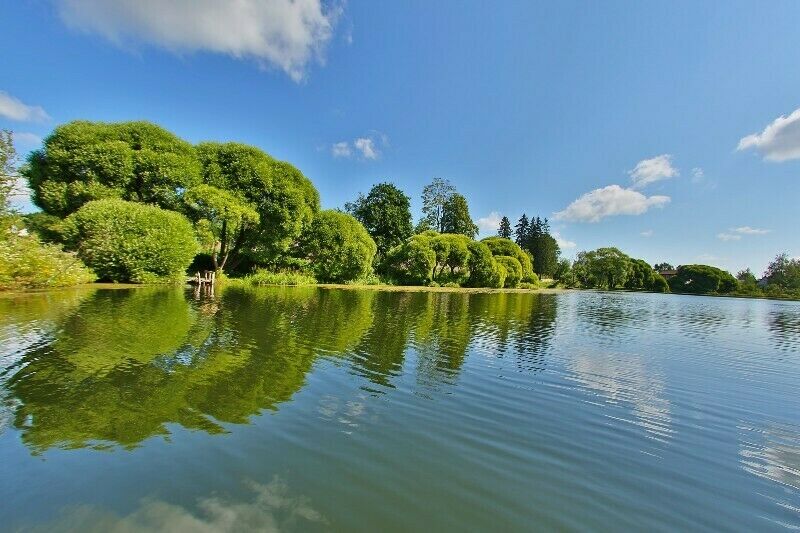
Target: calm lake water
308	409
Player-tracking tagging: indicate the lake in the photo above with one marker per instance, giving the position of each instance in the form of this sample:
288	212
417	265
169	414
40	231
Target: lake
310	409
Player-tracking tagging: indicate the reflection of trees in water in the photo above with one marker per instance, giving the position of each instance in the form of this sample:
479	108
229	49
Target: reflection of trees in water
126	363
784	325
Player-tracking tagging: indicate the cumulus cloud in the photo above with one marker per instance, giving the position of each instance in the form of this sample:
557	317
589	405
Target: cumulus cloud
652	170
286	34
747	230
728	237
563	243
609	201
14	109
490	223
780	140
366	146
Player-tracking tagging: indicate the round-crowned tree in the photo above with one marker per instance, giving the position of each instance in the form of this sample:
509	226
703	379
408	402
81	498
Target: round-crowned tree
84	161
513	270
338	247
501	246
131	242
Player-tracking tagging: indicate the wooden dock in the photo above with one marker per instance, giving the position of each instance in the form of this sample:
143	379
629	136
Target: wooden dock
205	278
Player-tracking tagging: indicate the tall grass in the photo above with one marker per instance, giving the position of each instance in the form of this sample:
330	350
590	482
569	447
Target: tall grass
263	277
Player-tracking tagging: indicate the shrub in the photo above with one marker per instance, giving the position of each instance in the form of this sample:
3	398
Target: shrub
702	279
130	242
499	276
412	262
513	269
264	277
658	283
338	247
482	267
451	285
26	263
500	246
527	285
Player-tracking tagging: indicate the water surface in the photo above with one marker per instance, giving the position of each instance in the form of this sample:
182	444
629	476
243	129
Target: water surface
306	409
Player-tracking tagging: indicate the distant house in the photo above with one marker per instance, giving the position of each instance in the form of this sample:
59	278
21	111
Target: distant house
666	274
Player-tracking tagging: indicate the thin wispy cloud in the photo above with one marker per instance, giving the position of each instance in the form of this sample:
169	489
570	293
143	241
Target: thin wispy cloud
609	201
652	170
646	233
341	149
283	34
15	109
747	230
563	243
366	146
780	140
729	237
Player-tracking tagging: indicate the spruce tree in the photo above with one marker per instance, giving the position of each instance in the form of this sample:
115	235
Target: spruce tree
505	228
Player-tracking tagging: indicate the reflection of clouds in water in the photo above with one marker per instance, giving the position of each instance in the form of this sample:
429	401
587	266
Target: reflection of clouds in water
272	509
623	378
347	412
772	453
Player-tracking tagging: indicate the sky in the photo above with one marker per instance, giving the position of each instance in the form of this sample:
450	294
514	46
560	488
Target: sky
668	129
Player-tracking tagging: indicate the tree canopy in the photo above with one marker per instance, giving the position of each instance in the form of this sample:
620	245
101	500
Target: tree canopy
338	247
386	214
456	218
702	279
434	198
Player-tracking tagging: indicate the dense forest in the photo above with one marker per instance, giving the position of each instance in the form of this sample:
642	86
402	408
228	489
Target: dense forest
132	202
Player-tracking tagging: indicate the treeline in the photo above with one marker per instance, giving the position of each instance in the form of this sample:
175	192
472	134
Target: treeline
131	202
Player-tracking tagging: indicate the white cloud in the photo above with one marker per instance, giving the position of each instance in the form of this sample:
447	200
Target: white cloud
747	230
698	174
728	237
25	142
14	109
609	201
647	233
341	149
563	243
286	34
652	170
489	224
366	146
780	141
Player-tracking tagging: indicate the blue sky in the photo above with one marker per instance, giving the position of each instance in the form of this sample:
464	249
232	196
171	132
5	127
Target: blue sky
625	123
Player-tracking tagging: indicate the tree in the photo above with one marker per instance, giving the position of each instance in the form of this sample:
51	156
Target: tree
413	262
663	266
521	231
8	175
484	271
136	161
563	272
338	247
283	197
221	218
505	228
434	197
783	272
605	268
746	277
386	213
456	218
131	242
702	279
513	270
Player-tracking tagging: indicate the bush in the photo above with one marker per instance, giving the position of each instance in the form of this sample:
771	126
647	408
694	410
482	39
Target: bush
129	242
659	284
513	270
500	246
483	271
451	285
702	279
264	277
528	285
26	263
412	262
338	247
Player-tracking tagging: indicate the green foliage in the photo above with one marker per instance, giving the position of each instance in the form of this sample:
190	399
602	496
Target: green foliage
264	277
137	161
503	246
504	230
386	214
563	272
221	217
663	266
513	270
659	284
604	268
784	273
283	198
456	218
338	247
434	198
125	241
26	263
483	269
48	228
412	262
8	174
702	279
452	253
